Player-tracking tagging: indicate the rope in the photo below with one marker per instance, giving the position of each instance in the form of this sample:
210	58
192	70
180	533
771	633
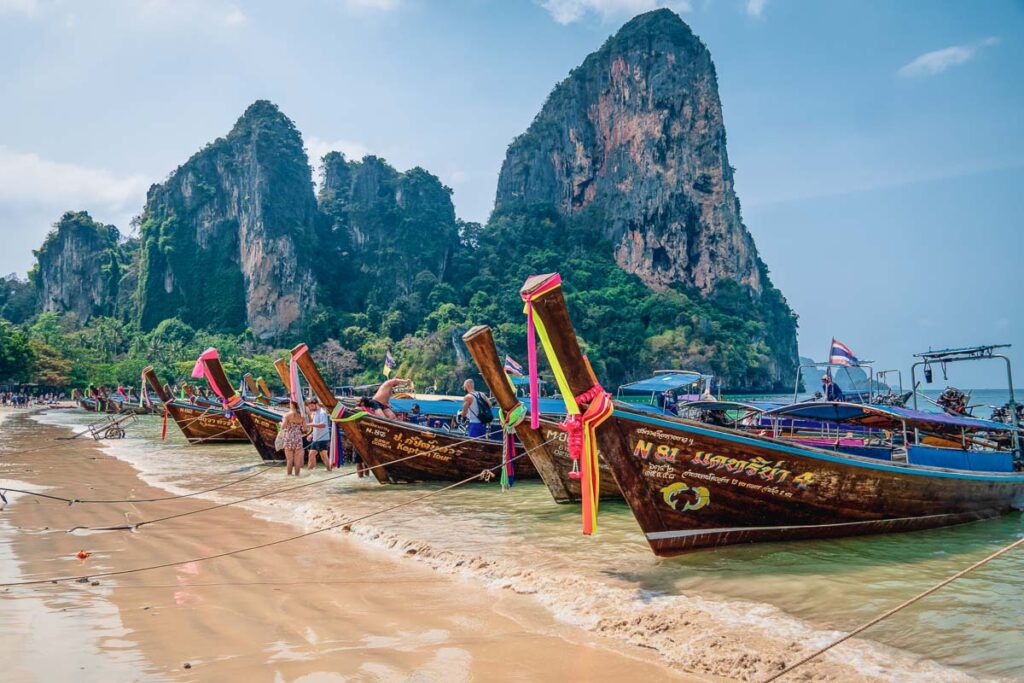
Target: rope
72	501
897	608
247	499
259	546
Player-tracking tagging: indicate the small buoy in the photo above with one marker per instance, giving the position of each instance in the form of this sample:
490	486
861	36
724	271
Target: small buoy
82	554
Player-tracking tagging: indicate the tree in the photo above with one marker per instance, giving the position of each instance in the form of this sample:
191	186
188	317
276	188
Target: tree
16	356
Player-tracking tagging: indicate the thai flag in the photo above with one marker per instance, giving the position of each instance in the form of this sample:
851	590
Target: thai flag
512	367
840	354
389	364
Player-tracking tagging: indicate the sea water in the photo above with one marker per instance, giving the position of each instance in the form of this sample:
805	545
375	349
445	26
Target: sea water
522	540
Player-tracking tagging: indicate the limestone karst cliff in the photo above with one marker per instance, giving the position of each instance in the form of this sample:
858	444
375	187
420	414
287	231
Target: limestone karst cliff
79	267
633	141
384	228
228	239
635	134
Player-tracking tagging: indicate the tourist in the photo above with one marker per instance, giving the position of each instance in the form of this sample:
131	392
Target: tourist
416	415
293	424
320	438
476	409
383	395
371	406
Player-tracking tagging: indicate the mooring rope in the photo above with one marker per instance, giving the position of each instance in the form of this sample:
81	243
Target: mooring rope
897	608
72	501
131	527
259	546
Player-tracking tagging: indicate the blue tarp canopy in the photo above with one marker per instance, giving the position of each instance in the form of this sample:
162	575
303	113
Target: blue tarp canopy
662	382
884	417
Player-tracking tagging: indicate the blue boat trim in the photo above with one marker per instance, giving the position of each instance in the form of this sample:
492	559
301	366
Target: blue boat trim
823	455
684	533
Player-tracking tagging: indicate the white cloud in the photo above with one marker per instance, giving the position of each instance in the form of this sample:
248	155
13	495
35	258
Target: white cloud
25	7
755	8
317	148
27	178
568	11
937	61
371	4
235	17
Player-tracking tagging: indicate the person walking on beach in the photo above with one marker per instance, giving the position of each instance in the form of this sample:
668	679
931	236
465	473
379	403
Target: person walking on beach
477	409
293	424
320	439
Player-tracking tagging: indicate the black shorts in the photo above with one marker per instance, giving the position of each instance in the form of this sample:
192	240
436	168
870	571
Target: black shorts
323	445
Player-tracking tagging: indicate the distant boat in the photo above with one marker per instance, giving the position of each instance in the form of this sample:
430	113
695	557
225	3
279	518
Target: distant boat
200	423
692	485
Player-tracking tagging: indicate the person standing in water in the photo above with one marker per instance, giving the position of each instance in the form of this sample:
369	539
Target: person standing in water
320	439
473	410
293	425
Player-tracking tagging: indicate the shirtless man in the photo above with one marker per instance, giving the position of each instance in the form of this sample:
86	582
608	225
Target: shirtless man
383	396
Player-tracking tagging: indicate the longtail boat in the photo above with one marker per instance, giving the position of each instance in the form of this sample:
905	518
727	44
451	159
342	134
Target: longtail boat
259	423
547	443
693	485
199	423
445	456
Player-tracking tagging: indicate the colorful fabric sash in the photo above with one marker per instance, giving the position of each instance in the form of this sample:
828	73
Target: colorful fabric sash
296	392
201	371
509	422
535	327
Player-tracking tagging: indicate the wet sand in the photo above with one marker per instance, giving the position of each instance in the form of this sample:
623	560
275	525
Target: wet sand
327	607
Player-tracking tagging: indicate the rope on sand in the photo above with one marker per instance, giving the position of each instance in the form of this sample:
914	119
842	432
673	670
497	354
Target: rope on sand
485	476
260	546
897	608
72	501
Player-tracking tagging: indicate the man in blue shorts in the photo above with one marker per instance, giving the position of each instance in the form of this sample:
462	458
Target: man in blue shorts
320	439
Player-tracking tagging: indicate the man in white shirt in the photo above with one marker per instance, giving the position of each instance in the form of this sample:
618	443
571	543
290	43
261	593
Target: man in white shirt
320	439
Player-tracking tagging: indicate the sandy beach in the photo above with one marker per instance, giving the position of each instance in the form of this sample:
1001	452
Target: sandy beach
322	608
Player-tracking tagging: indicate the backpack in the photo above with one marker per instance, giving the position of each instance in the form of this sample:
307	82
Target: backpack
483	409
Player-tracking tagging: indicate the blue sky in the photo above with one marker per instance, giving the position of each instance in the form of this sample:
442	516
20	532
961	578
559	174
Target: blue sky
878	146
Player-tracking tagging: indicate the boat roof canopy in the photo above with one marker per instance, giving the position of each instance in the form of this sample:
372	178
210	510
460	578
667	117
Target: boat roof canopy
884	417
664	381
725	404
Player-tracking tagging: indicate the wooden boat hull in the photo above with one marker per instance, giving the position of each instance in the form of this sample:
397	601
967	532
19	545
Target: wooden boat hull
205	424
691	486
261	426
557	451
446	457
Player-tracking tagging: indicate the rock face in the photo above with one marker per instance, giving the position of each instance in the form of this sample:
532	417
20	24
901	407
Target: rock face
228	239
635	135
388	227
79	267
632	144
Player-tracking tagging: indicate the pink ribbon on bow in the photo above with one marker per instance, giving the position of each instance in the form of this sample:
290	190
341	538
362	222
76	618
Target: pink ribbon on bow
531	345
200	371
